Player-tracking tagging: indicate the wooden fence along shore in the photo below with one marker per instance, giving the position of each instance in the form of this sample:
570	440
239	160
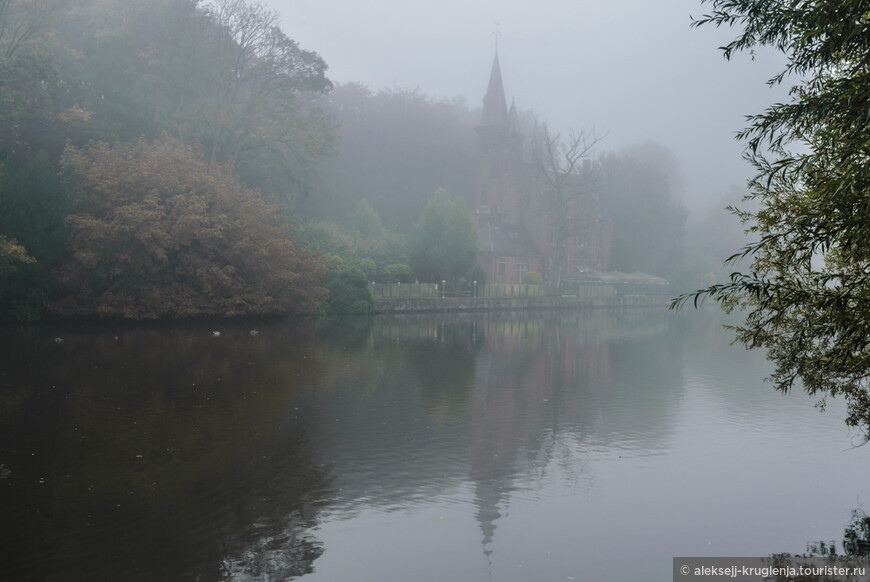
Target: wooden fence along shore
435	290
624	292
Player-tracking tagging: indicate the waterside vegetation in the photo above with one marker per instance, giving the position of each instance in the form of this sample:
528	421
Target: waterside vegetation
177	159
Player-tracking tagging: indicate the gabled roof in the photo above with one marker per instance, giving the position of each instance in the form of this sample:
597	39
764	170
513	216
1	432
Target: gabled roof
509	240
495	110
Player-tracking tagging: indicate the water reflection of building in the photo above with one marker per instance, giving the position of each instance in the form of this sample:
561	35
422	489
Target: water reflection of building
479	406
526	378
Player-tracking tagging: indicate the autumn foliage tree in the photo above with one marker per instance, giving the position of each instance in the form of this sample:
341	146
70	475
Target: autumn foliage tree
162	233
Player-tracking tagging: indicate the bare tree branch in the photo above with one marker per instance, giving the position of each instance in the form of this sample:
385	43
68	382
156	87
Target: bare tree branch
564	178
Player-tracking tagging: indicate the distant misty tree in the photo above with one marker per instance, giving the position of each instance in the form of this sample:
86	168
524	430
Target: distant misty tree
396	147
362	237
28	70
221	75
365	220
443	244
711	237
259	91
639	193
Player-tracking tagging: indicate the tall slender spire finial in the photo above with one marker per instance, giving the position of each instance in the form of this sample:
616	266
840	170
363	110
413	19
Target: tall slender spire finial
497	33
494	104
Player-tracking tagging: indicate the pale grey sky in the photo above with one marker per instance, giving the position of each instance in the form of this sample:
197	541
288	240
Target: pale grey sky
633	69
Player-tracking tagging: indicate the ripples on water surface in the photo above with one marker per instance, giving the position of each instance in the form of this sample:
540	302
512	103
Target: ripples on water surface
584	446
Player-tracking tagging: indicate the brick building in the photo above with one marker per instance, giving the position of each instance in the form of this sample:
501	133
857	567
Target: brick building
514	227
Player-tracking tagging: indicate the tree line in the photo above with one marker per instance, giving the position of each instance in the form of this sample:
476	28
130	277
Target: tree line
175	158
149	150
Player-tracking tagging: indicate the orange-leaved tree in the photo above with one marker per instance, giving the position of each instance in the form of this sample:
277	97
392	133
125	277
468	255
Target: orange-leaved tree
158	233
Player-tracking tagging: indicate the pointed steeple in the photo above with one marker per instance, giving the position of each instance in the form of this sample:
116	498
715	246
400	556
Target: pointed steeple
494	104
514	119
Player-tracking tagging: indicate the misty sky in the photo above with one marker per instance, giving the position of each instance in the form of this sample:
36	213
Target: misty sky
631	68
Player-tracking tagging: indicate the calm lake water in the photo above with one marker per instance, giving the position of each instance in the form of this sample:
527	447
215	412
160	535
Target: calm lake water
590	445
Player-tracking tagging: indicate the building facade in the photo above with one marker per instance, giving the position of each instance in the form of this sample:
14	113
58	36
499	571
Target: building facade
515	226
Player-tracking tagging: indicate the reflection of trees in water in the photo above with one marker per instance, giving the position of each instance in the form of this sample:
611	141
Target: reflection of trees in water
240	434
438	355
156	452
856	549
281	555
443	365
856	539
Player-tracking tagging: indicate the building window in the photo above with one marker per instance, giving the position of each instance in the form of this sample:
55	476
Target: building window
501	272
522	269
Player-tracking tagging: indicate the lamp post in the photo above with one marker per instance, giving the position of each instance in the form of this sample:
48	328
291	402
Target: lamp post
474	292
443	284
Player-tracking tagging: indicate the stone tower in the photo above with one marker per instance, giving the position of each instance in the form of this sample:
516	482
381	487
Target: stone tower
502	181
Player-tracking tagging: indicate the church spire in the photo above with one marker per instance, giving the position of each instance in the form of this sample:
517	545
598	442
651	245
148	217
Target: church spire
514	118
494	103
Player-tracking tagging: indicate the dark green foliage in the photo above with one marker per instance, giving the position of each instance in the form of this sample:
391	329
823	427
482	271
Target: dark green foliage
33	206
366	243
807	292
349	290
856	539
397	273
443	245
32	211
15	304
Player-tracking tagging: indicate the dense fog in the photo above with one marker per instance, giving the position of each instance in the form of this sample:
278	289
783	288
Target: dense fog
344	146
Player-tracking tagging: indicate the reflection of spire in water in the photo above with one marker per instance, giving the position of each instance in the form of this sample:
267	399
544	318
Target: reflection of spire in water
488	493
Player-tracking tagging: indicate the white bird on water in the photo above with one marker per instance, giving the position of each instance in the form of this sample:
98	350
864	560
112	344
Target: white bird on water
216	333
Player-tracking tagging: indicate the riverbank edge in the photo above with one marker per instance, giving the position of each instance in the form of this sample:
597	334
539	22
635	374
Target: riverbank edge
389	306
395	306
